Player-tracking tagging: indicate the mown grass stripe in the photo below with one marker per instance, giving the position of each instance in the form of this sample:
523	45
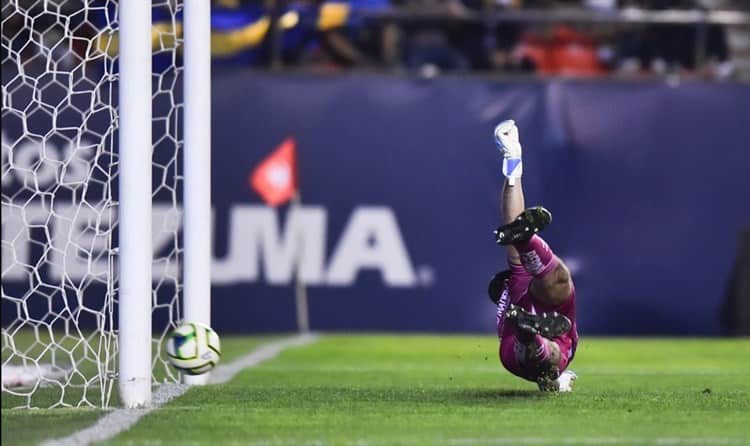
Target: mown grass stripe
120	420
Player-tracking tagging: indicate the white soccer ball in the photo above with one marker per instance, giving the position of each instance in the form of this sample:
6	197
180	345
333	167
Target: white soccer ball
193	348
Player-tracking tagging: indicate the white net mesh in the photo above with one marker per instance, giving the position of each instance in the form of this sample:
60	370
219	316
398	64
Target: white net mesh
59	198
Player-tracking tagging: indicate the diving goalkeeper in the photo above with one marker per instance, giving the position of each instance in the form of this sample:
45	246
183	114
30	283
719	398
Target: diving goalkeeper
535	297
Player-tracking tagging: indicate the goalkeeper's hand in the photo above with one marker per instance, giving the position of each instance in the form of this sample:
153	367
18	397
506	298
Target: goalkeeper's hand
506	139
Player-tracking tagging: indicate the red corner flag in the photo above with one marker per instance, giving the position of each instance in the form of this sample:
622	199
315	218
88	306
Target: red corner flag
275	178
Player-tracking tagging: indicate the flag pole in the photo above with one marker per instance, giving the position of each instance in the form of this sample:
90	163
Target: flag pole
300	291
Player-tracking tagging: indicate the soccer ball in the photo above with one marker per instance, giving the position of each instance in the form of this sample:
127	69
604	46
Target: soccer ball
193	348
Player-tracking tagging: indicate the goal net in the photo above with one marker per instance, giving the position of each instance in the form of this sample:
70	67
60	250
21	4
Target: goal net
60	198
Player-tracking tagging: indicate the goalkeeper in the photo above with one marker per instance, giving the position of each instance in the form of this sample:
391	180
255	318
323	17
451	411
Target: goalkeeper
535	297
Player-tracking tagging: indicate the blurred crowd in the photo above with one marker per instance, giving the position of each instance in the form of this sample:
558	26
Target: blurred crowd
544	37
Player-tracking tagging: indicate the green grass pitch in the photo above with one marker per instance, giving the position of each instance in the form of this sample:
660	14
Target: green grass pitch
382	390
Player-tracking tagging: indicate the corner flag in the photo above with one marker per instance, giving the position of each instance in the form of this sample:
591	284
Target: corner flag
275	178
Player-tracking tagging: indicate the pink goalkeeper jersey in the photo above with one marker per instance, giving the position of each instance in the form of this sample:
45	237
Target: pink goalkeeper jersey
517	293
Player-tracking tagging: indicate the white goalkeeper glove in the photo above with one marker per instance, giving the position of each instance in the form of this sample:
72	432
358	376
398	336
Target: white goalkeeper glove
506	138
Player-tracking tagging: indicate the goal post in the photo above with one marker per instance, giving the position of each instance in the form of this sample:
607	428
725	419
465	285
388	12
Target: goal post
135	188
197	150
106	212
134	210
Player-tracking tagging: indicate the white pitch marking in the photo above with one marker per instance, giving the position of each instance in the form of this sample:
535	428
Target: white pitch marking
502	441
659	441
120	420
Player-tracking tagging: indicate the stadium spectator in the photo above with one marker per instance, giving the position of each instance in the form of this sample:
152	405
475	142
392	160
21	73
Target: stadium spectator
344	36
439	35
429	50
666	48
564	52
239	30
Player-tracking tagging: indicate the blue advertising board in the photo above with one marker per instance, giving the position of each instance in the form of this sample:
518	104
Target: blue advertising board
648	185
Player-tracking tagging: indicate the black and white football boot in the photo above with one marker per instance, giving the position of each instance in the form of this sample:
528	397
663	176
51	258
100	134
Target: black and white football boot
531	221
548	325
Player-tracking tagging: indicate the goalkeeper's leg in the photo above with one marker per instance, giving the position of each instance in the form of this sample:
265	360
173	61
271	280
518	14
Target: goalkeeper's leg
540	360
552	285
551	299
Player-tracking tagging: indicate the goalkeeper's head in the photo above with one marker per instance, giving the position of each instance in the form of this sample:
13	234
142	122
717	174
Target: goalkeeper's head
498	284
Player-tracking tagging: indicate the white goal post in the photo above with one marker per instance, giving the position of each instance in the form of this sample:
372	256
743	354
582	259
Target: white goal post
134	210
197	207
106	233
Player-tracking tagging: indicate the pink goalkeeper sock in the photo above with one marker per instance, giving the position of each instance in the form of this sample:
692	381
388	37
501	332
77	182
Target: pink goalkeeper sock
536	256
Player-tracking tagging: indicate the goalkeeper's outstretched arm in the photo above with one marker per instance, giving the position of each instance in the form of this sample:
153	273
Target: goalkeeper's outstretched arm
513	203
